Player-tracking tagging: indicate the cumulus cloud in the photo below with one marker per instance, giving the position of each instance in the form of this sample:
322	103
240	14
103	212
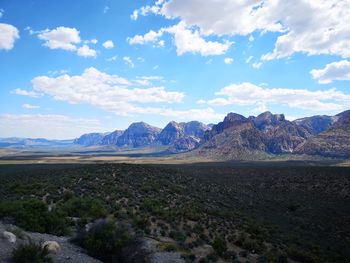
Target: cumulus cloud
334	71
149	37
228	61
60	38
311	27
118	95
30	107
86	51
109	92
128	61
29	93
8	35
46	126
108	44
147	80
186	40
248	94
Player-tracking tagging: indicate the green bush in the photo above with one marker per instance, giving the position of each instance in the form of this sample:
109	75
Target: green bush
84	208
219	245
30	253
33	215
105	240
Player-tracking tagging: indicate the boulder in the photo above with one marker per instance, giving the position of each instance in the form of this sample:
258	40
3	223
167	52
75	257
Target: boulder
10	237
51	246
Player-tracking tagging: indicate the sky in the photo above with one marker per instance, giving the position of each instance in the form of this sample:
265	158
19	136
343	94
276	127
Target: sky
72	67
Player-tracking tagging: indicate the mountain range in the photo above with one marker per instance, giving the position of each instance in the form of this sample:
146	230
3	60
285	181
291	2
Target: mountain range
236	137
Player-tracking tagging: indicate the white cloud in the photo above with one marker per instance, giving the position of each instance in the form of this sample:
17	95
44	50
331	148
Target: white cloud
105	9
29	93
8	35
249	59
201	101
108	44
134	15
190	41
46	126
30	107
149	37
145	10
114	58
228	61
61	38
248	94
257	65
334	71
311	27
117	95
92	41
1	12
109	92
147	80
186	40
85	51
128	61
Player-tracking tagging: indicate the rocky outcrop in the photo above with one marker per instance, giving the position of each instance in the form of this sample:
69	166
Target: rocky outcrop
68	252
182	137
184	144
90	139
171	132
279	134
234	138
334	142
267	121
111	139
316	124
137	135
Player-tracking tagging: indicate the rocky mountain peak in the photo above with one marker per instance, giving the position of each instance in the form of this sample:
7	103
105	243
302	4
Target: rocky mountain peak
138	134
267	120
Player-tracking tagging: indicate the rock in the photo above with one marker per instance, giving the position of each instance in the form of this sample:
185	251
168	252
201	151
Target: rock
138	134
165	257
111	139
90	139
10	237
334	142
51	246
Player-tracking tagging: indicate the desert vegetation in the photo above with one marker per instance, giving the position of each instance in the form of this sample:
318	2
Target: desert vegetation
206	212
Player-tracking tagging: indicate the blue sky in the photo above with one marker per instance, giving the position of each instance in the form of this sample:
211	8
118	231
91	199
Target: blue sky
70	67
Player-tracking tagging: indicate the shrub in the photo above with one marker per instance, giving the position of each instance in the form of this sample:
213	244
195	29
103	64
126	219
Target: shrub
219	245
33	215
105	240
170	247
30	253
84	208
178	235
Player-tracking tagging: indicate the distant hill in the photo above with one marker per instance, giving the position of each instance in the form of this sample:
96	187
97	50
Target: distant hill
183	136
236	137
29	142
137	135
333	142
90	139
111	139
